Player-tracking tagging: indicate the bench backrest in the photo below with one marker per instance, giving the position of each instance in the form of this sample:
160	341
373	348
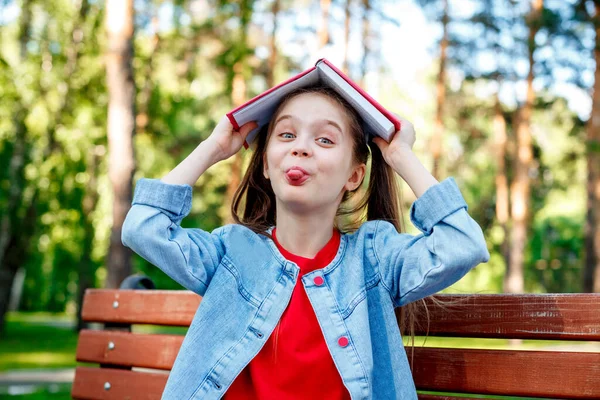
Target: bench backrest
136	365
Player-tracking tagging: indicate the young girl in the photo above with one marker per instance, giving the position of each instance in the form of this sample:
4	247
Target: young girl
295	304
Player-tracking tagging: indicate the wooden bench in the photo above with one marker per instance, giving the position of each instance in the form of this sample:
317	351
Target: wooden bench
136	365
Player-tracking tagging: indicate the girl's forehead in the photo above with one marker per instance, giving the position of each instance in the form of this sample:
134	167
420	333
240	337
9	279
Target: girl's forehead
314	106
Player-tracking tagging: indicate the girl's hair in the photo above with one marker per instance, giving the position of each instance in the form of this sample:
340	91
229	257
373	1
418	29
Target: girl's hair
380	201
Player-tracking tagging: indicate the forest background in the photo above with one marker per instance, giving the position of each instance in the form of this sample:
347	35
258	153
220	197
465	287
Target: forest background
95	95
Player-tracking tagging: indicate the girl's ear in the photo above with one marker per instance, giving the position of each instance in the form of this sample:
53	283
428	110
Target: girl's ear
358	173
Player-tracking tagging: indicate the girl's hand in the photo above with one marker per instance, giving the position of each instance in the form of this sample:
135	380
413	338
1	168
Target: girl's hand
227	140
402	141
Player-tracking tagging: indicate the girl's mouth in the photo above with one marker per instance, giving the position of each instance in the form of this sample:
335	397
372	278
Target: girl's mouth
296	176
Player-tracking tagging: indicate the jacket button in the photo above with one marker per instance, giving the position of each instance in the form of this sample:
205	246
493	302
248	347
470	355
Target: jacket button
343	341
318	281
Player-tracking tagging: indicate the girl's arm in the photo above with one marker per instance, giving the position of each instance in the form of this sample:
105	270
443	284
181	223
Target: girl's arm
223	142
152	227
399	155
451	243
409	167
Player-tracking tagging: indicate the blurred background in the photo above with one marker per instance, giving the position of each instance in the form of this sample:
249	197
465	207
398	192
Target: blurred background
97	94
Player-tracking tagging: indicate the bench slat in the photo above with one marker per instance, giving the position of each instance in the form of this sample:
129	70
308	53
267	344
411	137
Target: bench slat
90	382
438	369
519	316
566	375
522	316
434	397
128	349
159	307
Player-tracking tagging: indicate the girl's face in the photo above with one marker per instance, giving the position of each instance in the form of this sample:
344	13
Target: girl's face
309	155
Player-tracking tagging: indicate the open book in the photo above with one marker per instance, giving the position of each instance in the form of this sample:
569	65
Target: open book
376	120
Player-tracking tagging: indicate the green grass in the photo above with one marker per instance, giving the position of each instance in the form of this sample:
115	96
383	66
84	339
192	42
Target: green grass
55	392
30	342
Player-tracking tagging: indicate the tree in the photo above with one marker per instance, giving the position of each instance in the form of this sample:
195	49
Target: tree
11	240
520	187
121	128
273	53
238	55
591	277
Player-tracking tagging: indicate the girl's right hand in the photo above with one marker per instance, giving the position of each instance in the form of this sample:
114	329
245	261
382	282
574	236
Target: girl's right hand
228	141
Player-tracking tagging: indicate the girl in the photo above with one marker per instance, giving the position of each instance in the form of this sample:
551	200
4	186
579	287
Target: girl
296	304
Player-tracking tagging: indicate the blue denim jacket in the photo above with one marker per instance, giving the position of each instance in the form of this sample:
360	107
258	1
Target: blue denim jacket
246	285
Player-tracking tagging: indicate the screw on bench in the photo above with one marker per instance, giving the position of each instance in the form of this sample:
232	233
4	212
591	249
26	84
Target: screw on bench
132	282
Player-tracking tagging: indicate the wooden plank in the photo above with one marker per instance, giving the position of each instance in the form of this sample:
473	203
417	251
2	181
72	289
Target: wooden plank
441	397
525	316
128	349
160	307
572	316
565	375
90	384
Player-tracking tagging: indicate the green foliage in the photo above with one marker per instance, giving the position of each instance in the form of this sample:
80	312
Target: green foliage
183	74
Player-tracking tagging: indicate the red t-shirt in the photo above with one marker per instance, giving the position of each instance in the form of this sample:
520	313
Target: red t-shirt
301	366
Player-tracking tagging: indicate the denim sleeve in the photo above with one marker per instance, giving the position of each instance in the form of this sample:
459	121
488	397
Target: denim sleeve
152	229
450	245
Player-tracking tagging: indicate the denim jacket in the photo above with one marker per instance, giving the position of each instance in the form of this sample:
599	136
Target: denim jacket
246	284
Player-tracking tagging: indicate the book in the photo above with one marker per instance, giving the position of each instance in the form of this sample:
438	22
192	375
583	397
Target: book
376	120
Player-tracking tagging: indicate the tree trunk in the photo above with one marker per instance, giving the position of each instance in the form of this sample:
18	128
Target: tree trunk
121	128
324	30
591	276
520	188
142	118
347	21
438	131
366	31
502	205
275	7
238	96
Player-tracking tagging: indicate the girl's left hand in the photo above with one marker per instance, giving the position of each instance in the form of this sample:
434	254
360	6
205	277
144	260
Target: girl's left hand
402	140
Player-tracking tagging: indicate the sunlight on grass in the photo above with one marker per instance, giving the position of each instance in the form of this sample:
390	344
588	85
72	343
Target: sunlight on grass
18	360
39	340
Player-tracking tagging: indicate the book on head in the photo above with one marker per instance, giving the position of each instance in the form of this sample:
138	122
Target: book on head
376	120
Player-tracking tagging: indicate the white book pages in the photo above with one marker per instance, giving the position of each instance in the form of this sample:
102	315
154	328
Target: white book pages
262	109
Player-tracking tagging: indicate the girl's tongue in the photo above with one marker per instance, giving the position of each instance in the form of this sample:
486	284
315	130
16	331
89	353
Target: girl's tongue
295	174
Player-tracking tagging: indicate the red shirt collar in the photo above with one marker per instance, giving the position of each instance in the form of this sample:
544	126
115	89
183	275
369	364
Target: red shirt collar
321	259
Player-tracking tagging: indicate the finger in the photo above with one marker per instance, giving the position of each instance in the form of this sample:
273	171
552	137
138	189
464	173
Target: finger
401	118
225	123
247	128
382	144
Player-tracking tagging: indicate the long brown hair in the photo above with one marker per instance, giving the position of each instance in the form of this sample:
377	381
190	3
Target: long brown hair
380	201
254	201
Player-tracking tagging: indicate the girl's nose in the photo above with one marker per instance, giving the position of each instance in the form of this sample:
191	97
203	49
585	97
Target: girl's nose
300	152
301	149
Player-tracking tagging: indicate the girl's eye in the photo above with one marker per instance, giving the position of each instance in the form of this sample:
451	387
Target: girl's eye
325	140
286	135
